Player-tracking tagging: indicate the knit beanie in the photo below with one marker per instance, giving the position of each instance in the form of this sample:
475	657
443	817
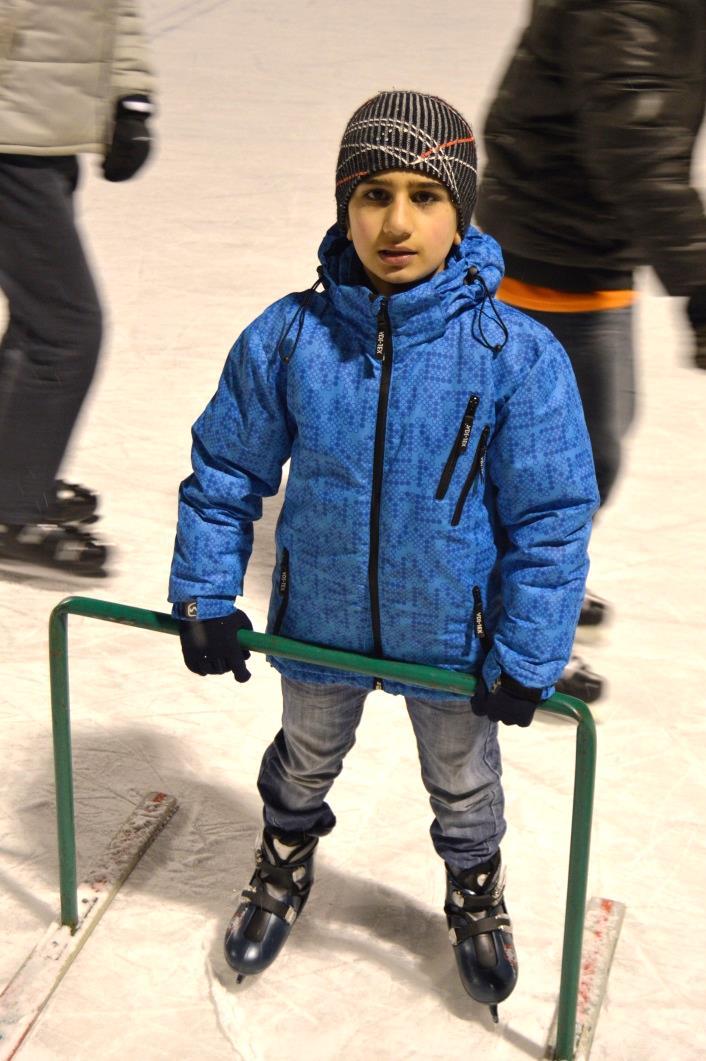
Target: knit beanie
409	131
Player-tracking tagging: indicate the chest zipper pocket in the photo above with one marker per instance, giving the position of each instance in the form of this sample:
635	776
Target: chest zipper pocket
283	591
477	469
459	447
479	620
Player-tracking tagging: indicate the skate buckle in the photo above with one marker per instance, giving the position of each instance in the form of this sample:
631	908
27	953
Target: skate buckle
291	915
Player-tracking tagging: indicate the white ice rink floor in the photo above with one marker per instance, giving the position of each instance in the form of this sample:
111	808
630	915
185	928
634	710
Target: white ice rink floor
253	99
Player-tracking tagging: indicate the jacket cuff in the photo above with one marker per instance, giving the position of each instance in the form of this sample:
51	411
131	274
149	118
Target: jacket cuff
493	670
203	608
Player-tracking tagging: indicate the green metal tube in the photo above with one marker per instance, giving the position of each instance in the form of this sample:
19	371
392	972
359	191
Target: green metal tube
579	851
63	773
408	673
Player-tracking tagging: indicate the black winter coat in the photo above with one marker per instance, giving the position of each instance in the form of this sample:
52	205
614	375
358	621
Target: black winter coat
590	139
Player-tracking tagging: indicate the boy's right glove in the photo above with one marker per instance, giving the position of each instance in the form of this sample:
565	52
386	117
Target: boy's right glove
507	701
210	646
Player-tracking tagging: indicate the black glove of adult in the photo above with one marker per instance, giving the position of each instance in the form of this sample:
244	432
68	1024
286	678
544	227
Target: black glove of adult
507	701
131	141
696	312
210	646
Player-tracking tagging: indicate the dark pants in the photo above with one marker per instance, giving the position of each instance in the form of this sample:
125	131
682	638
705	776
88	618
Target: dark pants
49	352
600	348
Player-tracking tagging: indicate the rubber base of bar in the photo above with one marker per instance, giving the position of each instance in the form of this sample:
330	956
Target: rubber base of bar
28	992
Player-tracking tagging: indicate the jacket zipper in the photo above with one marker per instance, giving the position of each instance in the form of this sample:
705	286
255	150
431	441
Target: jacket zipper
478	619
283	591
460	446
383	351
477	467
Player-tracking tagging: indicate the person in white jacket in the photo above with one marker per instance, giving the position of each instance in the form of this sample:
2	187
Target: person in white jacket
74	79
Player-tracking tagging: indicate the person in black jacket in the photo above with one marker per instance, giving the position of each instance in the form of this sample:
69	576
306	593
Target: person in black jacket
589	145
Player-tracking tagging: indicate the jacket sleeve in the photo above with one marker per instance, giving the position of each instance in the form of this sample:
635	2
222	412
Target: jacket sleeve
541	466
240	443
625	63
131	69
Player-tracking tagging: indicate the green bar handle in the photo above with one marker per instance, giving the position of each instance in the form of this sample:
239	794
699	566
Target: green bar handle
395	670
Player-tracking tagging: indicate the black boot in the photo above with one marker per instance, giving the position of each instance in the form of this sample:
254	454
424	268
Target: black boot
278	890
579	680
65	548
481	932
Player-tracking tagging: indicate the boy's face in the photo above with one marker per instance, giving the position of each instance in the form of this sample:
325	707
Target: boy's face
402	226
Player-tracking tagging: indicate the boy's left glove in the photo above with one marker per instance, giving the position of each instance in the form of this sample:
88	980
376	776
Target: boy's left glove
210	646
508	701
131	141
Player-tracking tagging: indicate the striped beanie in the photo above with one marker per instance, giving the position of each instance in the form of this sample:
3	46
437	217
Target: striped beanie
409	131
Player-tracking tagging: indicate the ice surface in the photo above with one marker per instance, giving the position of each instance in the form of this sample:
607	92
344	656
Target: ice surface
253	99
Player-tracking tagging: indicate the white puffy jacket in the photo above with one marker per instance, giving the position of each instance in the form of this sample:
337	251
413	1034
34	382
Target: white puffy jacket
63	64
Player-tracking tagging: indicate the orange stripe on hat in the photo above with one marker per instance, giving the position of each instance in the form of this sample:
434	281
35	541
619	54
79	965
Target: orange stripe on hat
449	143
353	176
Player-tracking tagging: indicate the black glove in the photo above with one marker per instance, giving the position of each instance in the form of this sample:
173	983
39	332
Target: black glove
210	646
131	138
507	701
696	312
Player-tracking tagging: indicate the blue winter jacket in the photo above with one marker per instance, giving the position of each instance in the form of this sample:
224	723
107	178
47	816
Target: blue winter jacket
441	485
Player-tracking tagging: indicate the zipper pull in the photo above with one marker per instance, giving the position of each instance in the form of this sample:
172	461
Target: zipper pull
383	323
483	446
467	422
478	614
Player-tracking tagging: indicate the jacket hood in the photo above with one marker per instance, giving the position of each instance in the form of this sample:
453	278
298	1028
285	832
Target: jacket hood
472	274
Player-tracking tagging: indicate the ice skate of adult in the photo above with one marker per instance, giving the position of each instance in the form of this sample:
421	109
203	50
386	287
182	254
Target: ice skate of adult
59	541
594	619
272	902
481	932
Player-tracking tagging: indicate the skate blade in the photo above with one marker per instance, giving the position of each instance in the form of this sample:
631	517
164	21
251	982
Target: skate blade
494	1013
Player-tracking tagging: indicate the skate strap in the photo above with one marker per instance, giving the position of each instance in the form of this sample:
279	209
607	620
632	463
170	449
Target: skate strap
464	900
472	928
289	876
261	898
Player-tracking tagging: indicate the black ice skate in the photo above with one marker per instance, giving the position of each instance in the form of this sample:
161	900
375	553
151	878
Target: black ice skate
593	619
65	548
71	503
481	932
579	680
272	902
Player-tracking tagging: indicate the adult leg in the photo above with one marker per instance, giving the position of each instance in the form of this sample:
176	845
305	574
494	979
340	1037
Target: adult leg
51	346
600	348
306	756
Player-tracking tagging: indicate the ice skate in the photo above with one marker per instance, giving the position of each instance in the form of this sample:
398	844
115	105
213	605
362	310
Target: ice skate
481	932
71	503
594	619
276	895
579	680
65	548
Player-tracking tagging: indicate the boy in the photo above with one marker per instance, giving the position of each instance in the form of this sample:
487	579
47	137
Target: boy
437	511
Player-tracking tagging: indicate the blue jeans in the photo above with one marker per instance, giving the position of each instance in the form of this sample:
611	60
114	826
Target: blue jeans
600	348
458	753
